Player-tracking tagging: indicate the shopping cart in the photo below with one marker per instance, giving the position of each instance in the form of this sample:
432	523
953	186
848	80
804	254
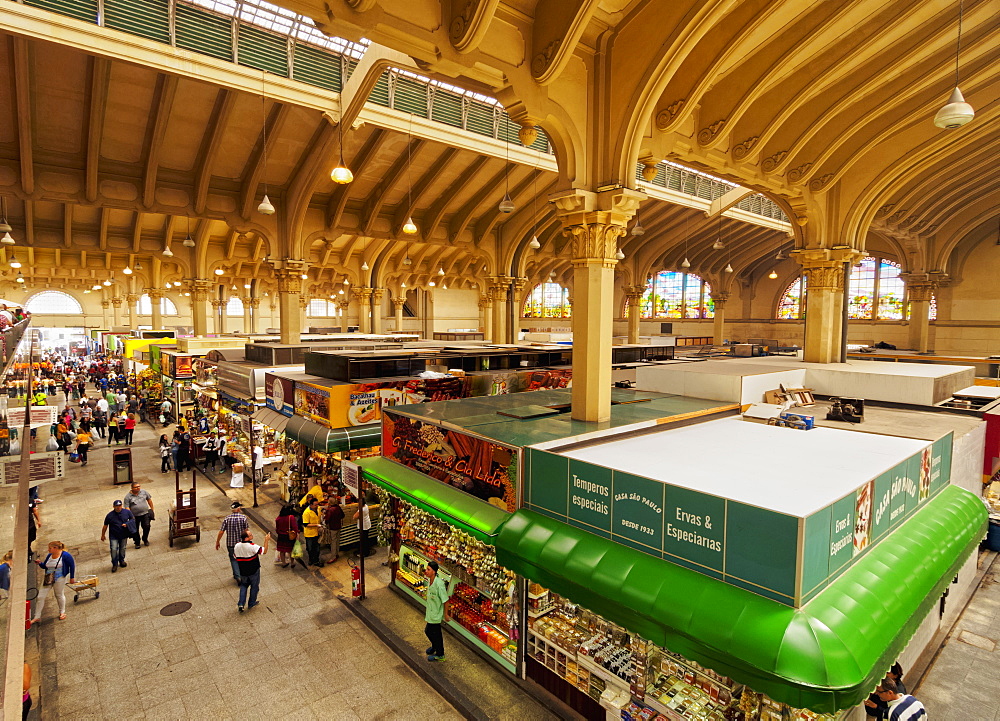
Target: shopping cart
84	584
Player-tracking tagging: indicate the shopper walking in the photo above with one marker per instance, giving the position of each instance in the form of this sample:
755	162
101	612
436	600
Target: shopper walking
119	527
287	527
165	453
83	444
129	428
59	566
233	526
438	593
112	427
901	706
100	422
312	524
248	556
140	503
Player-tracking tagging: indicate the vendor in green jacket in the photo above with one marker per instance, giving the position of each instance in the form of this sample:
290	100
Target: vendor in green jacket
438	593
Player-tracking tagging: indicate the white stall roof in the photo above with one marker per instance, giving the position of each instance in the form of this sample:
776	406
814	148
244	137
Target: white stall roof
782	469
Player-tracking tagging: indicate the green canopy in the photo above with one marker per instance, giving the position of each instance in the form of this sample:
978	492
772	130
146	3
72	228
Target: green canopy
332	440
477	518
827	655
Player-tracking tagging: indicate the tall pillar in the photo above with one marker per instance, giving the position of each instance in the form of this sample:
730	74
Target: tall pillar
919	293
131	300
274	319
486	313
364	296
247	312
378	294
397	304
219	311
343	305
304	310
201	291
499	294
156	307
824	269
289	276
116	311
594	222
253	317
104	312
719	322
634	295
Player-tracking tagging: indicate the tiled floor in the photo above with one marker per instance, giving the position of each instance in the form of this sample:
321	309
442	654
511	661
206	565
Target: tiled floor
300	654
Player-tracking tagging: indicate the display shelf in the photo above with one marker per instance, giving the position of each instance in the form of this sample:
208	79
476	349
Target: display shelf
537	613
597	670
543	594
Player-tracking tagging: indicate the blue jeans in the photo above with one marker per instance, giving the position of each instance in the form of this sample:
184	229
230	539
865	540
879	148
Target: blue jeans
234	564
118	546
251	582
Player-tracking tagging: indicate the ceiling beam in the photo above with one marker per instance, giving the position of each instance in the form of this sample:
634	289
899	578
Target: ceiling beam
67	225
253	172
461	218
100	77
405	209
163	100
225	99
137	231
23	101
376	199
432	218
102	235
339	198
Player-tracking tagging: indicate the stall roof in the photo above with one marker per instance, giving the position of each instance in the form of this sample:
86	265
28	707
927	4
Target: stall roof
824	656
477	518
482	415
332	440
226	354
776	460
271	419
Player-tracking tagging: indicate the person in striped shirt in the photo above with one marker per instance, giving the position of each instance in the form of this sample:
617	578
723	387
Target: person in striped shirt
901	706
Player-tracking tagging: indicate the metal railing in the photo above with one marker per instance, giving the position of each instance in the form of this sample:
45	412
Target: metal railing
699	185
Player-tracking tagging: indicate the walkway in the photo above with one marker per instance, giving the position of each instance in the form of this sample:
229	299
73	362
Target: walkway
300	654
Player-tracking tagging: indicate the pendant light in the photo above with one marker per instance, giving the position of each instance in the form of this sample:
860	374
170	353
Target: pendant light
364	261
956	112
265	207
402	285
772	275
20	278
637	230
781	254
167	253
533	243
620	255
7	238
106	283
687	238
364	265
685	263
729	268
506	205
188	240
432	284
219	271
138	265
341	175
96	286
407	260
409	227
14	262
127	271
729	259
440	271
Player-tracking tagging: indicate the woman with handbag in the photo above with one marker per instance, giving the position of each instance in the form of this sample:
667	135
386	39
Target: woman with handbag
287	527
165	450
83	445
59	566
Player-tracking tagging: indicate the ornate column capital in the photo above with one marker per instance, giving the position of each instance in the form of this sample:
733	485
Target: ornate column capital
634	292
132	298
378	294
363	293
343	304
303	301
105	304
398	302
116	301
201	289
485	301
252	302
720	298
218	303
154	293
289	274
595	221
824	267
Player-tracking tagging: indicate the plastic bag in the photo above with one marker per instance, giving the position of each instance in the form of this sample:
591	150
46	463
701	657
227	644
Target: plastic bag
74	457
298	551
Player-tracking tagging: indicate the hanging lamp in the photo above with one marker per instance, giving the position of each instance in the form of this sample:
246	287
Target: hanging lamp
265	207
409	227
506	205
341	175
772	275
188	240
14	262
956	112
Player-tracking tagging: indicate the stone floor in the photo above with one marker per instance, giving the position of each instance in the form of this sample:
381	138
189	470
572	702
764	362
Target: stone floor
300	654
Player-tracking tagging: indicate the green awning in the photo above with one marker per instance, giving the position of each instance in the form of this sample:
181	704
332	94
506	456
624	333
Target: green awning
477	518
827	655
332	440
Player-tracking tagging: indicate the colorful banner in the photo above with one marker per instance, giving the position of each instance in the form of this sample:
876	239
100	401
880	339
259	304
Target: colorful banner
312	402
477	466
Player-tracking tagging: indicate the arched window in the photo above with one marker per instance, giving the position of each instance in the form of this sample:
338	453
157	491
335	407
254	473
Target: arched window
234	308
145	307
54	302
322	309
792	304
677	295
876	290
547	300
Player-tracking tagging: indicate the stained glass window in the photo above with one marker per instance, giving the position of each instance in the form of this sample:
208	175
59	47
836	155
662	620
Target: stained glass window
891	290
792	304
547	300
677	295
876	290
862	289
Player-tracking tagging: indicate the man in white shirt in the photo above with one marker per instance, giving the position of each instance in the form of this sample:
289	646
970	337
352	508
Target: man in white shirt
364	519
901	706
247	555
102	403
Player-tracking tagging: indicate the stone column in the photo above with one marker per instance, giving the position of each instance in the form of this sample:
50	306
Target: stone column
378	295
343	305
719	324
486	314
919	292
116	310
499	296
634	295
364	296
304	311
104	312
594	222
253	315
824	269
156	307
219	311
397	304
274	313
201	291
130	306
289	277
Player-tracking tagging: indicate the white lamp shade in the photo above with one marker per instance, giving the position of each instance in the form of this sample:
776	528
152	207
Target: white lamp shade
341	175
409	227
956	113
534	244
265	207
7	238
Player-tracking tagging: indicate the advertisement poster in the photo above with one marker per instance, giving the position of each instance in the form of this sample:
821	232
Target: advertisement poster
182	367
167	365
482	469
362	403
279	394
313	402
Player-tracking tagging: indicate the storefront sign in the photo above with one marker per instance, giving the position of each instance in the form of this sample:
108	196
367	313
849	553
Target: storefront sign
477	466
350	476
785	558
312	402
182	367
279	394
